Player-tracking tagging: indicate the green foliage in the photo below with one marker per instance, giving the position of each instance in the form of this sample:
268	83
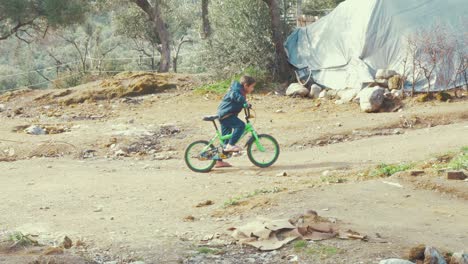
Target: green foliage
241	37
207	250
222	86
19	14
384	170
316	7
460	161
19	239
323	251
300	244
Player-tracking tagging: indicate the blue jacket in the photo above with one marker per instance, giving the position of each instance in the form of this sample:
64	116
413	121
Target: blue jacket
233	101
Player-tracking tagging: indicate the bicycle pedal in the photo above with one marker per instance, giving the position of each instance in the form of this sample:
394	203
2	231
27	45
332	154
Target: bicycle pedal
222	156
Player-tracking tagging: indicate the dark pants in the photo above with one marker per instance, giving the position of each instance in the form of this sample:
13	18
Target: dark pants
232	123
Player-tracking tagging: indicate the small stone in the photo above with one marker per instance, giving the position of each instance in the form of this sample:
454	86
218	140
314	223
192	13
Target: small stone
53	251
315	91
323	94
120	153
67	242
416	172
189	218
280	111
98	210
395	261
208	237
35	130
339	124
326	173
456	175
282	174
205	203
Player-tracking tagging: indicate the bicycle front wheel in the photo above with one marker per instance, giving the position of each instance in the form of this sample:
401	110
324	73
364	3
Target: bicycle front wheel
264	152
199	156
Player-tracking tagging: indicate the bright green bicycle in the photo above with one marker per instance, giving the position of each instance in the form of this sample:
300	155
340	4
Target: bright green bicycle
201	156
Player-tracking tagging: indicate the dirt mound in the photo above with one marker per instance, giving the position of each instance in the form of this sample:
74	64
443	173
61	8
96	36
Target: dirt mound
122	85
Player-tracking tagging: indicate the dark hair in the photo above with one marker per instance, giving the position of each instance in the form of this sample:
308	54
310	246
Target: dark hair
247	80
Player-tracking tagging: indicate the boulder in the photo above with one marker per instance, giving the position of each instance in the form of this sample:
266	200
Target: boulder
394	82
315	91
370	99
432	256
295	89
459	258
382	83
35	130
2	107
395	261
348	94
323	94
385	74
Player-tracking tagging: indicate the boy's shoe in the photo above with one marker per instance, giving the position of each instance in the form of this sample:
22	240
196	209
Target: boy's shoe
234	148
222	164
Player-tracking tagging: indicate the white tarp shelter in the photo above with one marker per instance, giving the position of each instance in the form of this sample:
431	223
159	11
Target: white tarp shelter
346	47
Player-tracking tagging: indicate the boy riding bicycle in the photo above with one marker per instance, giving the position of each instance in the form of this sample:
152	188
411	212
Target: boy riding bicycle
231	105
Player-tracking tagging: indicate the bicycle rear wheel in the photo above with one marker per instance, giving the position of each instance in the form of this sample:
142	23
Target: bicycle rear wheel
199	156
265	152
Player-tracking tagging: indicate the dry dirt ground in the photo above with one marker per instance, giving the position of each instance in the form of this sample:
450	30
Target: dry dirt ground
142	206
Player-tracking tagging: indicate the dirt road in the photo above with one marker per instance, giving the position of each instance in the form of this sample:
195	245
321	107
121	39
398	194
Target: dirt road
136	207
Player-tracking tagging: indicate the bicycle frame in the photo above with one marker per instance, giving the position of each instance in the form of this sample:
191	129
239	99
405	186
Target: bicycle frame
248	129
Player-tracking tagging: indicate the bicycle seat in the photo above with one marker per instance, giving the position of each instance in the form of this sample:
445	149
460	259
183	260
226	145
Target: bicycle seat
210	118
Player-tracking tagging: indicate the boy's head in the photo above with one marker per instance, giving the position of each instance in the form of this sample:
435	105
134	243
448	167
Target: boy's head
248	83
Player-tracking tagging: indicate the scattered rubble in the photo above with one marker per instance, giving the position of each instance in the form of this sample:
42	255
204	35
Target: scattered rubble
266	234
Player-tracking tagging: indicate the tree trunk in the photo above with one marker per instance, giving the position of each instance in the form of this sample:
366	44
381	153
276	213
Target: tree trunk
281	60
159	26
206	21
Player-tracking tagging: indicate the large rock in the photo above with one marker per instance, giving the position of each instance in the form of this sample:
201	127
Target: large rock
432	256
295	89
394	82
2	107
459	258
395	261
385	74
382	83
348	94
315	91
371	99
323	94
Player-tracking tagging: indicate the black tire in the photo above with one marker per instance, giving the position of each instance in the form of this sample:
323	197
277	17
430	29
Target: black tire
210	163
251	146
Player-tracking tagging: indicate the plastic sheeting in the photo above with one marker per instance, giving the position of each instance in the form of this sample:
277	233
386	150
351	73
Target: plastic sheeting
346	48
